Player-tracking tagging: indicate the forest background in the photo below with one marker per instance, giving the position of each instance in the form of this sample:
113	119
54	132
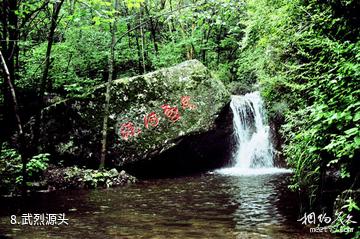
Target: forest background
303	55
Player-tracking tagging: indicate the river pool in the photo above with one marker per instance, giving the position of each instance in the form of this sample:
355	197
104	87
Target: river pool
209	205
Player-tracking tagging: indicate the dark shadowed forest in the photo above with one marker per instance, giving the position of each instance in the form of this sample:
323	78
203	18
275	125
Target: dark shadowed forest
139	94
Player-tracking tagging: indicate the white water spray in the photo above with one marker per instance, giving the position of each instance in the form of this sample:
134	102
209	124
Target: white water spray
254	151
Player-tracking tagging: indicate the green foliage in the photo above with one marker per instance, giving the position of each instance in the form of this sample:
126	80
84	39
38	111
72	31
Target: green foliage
206	30
306	58
75	177
37	165
345	223
169	54
134	3
10	169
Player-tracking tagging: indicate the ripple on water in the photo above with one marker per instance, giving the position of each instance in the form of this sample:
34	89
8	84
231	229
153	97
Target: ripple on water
211	205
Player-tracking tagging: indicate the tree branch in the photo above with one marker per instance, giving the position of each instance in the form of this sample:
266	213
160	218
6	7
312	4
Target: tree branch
13	94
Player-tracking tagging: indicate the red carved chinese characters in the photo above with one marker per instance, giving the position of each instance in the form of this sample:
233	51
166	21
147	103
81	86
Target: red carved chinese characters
127	130
185	103
151	119
172	113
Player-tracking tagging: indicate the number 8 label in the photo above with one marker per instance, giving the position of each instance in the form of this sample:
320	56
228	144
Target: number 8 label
12	219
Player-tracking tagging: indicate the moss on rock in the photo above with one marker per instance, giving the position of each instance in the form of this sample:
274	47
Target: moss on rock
77	122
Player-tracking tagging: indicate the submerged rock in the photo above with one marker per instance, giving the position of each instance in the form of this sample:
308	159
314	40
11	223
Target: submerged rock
150	115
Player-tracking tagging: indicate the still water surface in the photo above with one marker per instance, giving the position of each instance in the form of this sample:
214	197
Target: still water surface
209	205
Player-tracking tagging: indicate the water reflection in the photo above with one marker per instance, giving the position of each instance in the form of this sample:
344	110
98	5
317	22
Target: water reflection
203	206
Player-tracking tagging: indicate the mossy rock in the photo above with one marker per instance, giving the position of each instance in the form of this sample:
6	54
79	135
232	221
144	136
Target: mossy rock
72	128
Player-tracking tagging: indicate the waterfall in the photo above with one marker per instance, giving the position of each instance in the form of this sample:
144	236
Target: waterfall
253	153
253	145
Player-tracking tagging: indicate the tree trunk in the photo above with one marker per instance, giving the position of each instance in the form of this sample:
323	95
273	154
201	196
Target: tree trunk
45	84
10	51
218	43
152	30
18	122
108	91
4	131
138	51
142	45
172	20
13	93
128	25
205	40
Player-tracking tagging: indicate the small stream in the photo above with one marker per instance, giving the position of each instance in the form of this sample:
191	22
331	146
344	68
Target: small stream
209	205
250	199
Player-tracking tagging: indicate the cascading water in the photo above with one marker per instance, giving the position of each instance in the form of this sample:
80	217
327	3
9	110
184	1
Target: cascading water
254	147
253	153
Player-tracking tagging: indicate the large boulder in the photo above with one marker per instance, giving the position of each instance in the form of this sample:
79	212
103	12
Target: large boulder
149	115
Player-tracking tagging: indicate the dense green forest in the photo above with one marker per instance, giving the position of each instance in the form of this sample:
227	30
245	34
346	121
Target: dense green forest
304	56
